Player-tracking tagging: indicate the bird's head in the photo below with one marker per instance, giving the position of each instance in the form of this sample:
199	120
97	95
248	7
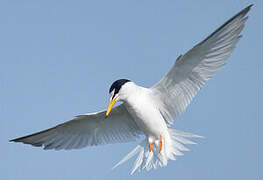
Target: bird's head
117	93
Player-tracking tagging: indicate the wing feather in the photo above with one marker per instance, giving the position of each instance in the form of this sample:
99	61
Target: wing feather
87	130
176	90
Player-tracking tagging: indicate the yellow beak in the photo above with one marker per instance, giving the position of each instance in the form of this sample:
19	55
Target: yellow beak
112	102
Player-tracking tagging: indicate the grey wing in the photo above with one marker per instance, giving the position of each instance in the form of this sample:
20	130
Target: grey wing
87	130
176	90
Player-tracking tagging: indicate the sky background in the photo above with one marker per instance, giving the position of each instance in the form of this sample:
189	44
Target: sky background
59	58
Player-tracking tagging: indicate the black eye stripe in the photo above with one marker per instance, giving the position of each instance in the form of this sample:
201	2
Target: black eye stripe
116	86
113	95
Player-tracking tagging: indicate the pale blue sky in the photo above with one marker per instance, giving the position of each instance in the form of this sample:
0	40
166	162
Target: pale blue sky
59	58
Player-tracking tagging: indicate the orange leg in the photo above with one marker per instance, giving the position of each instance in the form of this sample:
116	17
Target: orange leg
150	146
161	143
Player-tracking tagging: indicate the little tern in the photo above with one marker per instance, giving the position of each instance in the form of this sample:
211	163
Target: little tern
149	111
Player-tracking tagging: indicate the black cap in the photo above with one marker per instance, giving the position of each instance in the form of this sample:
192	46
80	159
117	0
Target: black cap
117	86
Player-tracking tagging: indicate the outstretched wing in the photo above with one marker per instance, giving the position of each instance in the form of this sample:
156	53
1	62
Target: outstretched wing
87	130
176	90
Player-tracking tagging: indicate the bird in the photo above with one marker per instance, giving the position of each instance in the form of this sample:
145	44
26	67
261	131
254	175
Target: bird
149	112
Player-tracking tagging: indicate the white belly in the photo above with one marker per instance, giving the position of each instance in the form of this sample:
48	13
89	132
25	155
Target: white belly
146	115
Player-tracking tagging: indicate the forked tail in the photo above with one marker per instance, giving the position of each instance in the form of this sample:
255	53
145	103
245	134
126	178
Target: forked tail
173	146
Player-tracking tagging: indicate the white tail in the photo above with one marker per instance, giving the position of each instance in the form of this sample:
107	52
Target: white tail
173	146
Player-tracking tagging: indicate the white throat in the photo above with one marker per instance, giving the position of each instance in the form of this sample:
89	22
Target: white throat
128	90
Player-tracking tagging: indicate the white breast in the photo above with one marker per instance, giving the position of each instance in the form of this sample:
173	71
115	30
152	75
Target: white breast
141	106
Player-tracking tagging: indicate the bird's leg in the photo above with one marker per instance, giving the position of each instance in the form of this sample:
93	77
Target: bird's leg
161	143
150	141
150	146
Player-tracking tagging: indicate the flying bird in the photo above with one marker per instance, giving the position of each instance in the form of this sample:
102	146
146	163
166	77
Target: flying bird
149	112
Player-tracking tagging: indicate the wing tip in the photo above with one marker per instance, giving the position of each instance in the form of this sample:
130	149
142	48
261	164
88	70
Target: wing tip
244	11
249	6
16	140
23	138
242	14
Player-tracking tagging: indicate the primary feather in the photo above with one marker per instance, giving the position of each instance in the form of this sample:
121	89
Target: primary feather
87	130
191	70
